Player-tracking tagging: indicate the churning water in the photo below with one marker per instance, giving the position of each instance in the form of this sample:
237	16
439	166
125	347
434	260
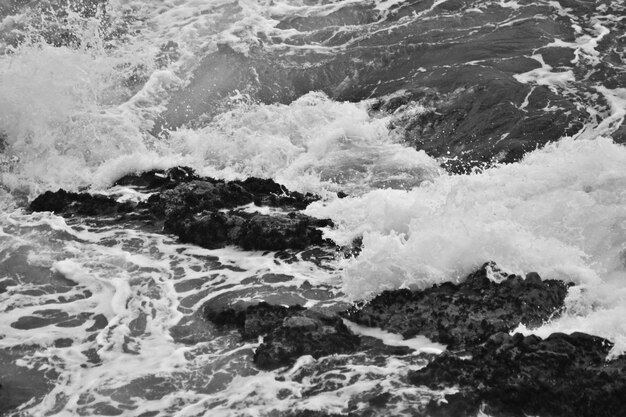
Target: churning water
103	319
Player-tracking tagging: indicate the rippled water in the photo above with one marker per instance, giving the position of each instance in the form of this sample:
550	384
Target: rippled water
102	318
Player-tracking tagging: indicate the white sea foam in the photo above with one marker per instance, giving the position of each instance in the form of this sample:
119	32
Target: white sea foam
70	122
420	344
128	277
313	138
560	212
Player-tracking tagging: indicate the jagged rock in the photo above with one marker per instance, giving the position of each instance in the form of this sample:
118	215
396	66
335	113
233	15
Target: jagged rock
516	376
197	195
253	321
79	204
289	332
465	314
249	231
201	210
159	179
314	334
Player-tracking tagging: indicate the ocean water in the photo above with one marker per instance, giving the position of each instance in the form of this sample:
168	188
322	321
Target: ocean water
103	319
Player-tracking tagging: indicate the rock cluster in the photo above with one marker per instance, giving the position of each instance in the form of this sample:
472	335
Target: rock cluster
562	375
505	375
465	314
204	211
289	332
502	374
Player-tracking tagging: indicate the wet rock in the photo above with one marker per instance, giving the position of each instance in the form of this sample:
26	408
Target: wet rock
78	204
465	314
249	231
289	332
192	194
298	336
254	320
158	179
562	375
203	210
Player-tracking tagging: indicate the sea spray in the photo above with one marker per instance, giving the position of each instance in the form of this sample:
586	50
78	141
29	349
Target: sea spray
560	212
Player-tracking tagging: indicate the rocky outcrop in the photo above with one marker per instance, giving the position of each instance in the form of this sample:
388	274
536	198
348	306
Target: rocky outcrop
513	376
490	370
203	211
460	316
516	376
464	314
78	204
249	231
289	332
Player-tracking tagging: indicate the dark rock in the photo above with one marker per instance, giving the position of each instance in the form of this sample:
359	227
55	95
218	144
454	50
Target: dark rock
562	375
256	320
81	204
249	231
311	333
196	210
158	179
465	314
290	332
194	195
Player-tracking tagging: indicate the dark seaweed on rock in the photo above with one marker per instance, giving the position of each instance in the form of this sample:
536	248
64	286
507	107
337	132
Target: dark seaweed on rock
202	210
516	376
465	314
290	332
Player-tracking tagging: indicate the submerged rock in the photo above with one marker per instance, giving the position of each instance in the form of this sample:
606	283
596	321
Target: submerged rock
562	375
464	314
290	332
204	211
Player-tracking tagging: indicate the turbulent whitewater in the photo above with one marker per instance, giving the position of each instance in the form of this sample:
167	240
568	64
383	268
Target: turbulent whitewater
456	132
